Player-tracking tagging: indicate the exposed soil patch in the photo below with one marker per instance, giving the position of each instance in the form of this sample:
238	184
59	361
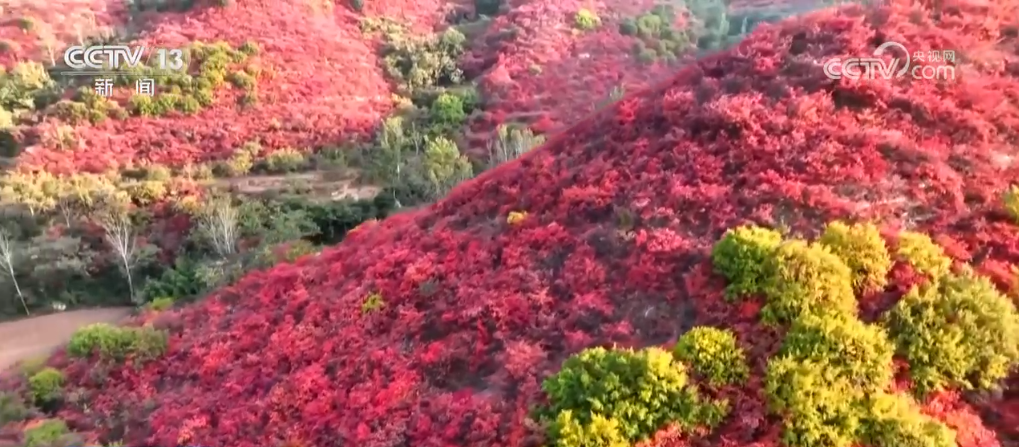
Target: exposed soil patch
321	185
33	337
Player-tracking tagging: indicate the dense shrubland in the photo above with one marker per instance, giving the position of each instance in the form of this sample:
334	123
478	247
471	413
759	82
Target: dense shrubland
414	155
417	150
831	380
112	239
445	322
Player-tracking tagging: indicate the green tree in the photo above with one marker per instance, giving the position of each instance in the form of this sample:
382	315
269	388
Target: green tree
444	166
54	263
19	87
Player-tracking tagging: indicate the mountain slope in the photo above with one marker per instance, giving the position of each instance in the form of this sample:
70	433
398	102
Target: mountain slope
319	82
471	312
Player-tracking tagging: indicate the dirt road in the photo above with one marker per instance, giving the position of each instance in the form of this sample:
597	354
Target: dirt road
39	336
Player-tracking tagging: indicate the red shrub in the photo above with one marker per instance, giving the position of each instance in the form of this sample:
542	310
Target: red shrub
477	312
326	87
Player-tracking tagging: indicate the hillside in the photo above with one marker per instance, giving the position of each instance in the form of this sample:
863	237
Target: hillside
342	85
437	327
302	119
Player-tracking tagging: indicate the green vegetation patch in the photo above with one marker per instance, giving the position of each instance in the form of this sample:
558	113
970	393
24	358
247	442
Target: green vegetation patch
46	434
210	67
830	382
852	350
714	354
863	250
740	256
586	20
372	303
117	343
923	254
959	332
46	385
607	396
657	36
12	409
805	278
21	89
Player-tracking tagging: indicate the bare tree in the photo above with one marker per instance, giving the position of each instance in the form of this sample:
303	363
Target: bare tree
510	144
120	234
219	222
7	262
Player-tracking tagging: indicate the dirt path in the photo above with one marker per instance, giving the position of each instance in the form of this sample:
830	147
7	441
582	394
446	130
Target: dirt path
39	336
324	185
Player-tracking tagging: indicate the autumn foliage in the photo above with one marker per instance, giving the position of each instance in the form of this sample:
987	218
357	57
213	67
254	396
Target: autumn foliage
620	215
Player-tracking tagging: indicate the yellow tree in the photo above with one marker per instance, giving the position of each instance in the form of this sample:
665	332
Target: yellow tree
36	191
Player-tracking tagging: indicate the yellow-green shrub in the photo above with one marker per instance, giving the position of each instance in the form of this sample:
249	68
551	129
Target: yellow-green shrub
242	80
642	391
116	343
586	20
740	257
12	409
372	303
817	407
1011	199
142	105
286	160
600	432
960	331
715	354
299	248
893	421
161	304
46	385
805	278
239	164
863	250
148	191
46	433
851	349
516	217
923	254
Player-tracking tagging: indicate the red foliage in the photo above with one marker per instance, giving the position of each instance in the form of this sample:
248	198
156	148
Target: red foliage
477	312
578	70
58	22
326	86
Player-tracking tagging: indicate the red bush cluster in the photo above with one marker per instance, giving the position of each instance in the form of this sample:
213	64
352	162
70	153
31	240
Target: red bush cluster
577	70
326	86
60	23
621	209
